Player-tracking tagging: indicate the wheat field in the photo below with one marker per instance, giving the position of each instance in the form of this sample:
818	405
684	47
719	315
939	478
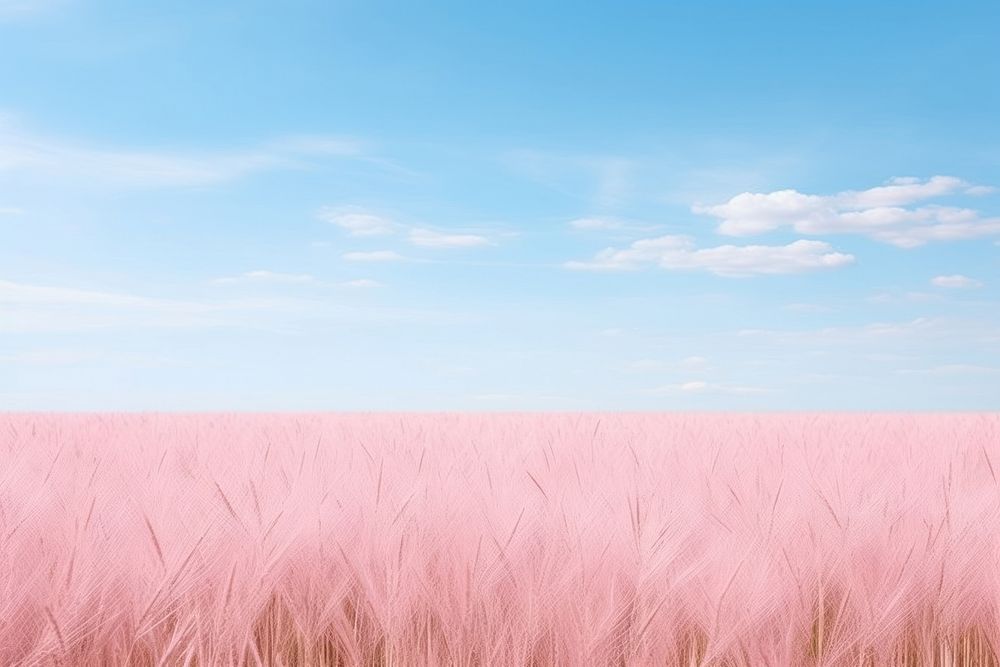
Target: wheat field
500	539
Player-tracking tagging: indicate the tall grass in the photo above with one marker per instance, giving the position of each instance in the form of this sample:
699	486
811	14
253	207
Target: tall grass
572	539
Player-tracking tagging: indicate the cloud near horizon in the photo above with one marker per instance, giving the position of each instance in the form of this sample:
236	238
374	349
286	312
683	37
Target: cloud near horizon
704	387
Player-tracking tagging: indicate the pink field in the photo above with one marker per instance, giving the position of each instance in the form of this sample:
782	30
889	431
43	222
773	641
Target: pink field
572	539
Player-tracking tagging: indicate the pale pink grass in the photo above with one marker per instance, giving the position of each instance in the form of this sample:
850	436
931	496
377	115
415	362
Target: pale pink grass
566	539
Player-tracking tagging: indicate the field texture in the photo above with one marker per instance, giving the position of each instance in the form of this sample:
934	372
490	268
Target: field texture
571	539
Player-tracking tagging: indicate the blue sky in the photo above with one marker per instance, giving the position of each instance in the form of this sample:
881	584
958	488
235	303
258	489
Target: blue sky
347	205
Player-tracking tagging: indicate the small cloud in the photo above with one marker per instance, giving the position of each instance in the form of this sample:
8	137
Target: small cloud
361	283
595	224
10	210
357	221
373	256
704	387
678	253
694	386
980	190
267	277
431	239
956	281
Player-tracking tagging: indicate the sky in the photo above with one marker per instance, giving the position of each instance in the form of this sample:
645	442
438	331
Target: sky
349	205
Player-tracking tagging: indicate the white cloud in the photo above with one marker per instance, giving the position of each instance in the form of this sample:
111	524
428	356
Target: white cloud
880	213
357	221
373	256
361	283
428	238
268	277
956	281
53	159
698	385
679	253
903	190
704	387
595	224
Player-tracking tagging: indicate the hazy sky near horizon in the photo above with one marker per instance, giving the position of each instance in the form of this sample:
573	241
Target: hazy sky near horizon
544	206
